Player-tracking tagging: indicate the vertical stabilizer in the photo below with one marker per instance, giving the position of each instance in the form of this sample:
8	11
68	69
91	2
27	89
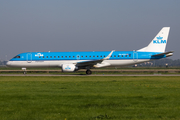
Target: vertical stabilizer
158	44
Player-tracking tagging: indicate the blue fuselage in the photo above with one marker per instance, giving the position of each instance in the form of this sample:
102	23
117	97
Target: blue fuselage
58	56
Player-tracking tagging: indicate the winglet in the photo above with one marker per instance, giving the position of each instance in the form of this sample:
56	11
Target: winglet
106	58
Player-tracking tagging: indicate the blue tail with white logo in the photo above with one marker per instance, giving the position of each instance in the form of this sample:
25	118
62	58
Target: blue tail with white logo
158	44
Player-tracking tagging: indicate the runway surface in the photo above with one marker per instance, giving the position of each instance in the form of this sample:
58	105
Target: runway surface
90	75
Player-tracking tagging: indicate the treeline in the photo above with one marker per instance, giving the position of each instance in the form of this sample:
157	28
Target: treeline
162	62
3	62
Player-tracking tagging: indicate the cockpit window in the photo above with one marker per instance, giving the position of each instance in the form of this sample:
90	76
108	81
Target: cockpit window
17	56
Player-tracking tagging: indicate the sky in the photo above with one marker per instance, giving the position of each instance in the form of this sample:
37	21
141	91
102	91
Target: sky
85	25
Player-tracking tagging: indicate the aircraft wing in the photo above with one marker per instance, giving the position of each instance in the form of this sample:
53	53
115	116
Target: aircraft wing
89	63
170	53
94	62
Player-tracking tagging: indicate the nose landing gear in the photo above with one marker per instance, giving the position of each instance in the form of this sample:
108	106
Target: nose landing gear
24	71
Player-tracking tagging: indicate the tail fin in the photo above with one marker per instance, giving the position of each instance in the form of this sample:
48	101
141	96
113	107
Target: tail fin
158	44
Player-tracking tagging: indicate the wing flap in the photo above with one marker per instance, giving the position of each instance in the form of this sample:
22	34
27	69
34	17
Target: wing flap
88	63
94	62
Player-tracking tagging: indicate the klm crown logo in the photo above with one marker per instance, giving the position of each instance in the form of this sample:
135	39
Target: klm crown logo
39	54
159	38
67	68
159	41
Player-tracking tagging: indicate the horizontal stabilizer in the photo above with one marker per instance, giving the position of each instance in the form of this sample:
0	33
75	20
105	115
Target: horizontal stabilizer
170	53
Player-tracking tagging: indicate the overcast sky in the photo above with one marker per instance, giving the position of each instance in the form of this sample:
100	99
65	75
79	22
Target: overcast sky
85	25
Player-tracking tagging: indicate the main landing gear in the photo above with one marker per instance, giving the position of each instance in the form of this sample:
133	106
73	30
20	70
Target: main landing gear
88	72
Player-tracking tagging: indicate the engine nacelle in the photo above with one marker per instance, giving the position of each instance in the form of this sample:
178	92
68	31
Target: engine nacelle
68	68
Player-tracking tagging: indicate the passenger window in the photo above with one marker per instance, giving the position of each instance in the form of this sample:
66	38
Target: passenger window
89	56
129	55
50	56
114	56
118	55
39	56
93	56
104	56
97	56
61	56
82	56
73	56
121	55
101	55
86	56
65	56
58	56
43	56
54	56
125	55
46	56
69	56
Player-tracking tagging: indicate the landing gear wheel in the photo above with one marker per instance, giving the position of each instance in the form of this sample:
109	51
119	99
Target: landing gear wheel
88	72
24	72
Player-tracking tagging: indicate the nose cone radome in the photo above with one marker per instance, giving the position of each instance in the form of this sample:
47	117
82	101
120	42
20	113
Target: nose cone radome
8	63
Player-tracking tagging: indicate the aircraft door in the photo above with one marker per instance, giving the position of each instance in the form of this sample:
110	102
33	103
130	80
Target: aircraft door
135	56
29	57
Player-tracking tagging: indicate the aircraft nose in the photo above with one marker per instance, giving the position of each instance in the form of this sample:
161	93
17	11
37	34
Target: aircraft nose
8	63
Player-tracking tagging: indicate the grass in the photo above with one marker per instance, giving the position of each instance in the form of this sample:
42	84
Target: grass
89	98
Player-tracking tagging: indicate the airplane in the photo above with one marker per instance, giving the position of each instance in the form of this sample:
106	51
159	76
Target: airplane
73	61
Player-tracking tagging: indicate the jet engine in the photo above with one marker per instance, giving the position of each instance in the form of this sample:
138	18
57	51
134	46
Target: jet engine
69	68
